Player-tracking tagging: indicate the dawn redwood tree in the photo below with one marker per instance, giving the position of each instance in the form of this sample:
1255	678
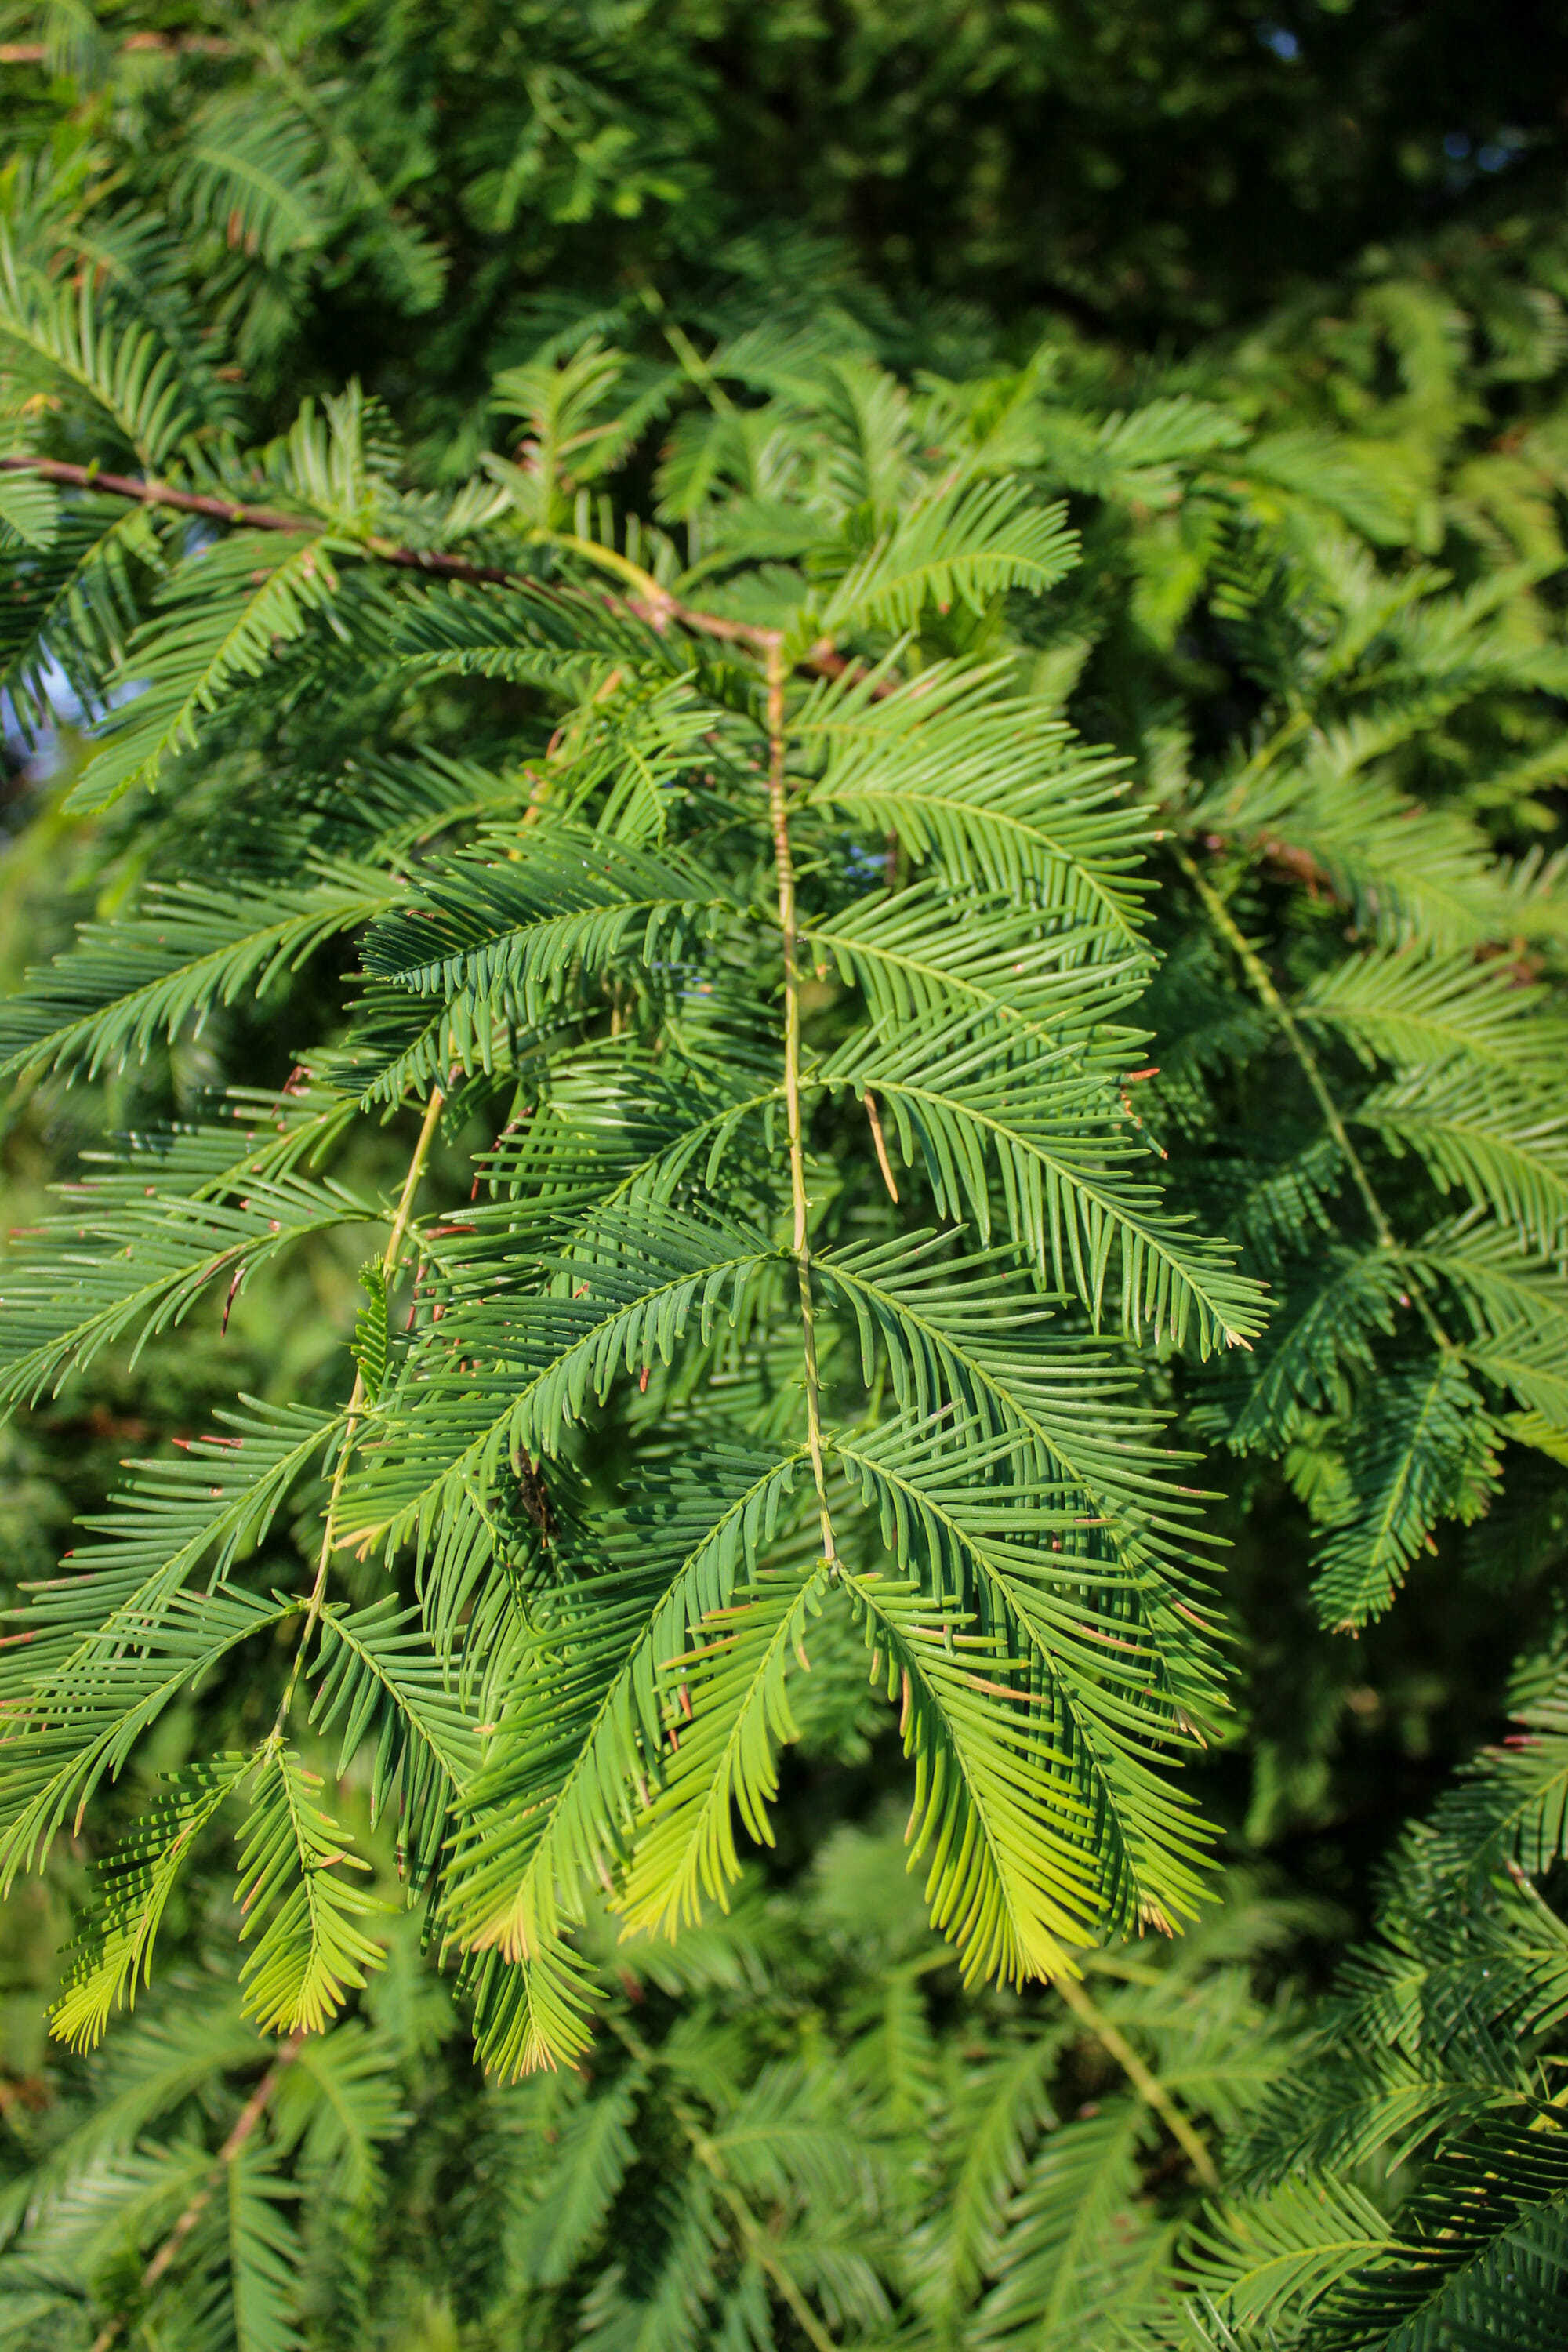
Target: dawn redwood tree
692	1171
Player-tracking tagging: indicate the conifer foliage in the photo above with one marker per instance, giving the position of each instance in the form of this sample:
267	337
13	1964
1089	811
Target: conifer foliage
758	977
781	973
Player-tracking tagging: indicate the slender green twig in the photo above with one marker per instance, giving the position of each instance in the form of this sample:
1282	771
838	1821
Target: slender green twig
778	811
1257	973
1149	2088
751	2230
390	1256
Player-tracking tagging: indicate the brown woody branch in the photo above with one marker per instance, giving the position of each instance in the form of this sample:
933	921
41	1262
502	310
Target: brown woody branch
649	600
233	511
244	2122
189	45
659	607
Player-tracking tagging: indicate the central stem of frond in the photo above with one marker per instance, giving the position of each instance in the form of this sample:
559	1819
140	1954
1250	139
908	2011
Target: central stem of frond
778	812
390	1256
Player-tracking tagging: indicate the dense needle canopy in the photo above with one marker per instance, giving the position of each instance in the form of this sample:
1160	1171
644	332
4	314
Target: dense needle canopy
787	1129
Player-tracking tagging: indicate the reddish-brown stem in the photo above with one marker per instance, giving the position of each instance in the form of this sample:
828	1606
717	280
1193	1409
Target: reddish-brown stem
155	494
237	513
189	45
244	2122
648	601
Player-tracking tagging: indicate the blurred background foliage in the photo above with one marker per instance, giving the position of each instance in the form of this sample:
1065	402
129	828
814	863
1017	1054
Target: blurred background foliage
1338	231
